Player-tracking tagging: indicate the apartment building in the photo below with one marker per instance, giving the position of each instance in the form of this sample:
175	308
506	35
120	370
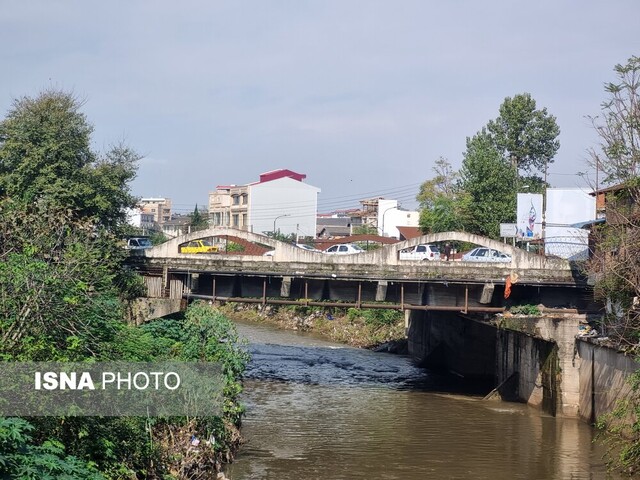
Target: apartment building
278	201
159	207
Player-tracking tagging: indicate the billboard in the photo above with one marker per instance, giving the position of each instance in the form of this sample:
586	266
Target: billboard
529	216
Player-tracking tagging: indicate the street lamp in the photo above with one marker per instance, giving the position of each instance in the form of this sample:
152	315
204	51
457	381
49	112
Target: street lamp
383	214
276	219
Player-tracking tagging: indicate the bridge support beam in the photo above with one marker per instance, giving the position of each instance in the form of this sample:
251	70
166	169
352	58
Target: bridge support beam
381	291
285	287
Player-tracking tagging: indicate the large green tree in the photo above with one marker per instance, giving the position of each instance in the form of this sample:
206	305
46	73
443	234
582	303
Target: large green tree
45	153
490	185
524	135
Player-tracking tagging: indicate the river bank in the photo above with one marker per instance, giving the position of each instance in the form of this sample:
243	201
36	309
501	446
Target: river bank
380	330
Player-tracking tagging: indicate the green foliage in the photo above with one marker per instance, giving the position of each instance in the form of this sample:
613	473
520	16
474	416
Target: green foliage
443	185
21	458
62	286
365	230
525	136
375	317
234	247
45	154
446	214
527	309
620	430
483	193
490	184
443	203
289	238
618	126
197	220
157	237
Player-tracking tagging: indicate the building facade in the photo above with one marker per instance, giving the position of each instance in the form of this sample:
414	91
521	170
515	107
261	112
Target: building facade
159	207
280	201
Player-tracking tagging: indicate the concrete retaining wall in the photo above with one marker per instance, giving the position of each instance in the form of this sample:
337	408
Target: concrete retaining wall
603	378
143	309
534	357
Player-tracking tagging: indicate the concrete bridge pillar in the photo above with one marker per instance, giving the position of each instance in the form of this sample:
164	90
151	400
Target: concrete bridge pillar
285	287
381	291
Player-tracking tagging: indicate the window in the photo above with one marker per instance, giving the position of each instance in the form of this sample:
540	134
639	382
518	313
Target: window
343	248
333	249
236	199
421	248
244	198
235	219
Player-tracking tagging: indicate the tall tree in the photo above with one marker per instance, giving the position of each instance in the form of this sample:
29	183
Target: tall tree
490	184
525	135
45	154
198	221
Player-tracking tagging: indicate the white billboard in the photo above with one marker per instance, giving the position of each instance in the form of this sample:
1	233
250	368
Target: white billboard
566	207
529	216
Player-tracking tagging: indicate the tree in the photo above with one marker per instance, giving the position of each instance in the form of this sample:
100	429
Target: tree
442	202
45	153
442	185
524	135
618	127
490	185
197	220
615	264
616	260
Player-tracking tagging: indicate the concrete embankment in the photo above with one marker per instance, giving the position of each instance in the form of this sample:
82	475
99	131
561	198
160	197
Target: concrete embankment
536	360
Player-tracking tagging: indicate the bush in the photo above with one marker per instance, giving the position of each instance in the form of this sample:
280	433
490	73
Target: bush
375	317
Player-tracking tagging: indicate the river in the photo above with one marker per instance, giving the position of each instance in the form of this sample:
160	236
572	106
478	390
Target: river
319	410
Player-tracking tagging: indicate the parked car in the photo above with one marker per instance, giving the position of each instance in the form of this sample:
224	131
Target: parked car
424	251
484	254
344	249
270	253
138	243
198	246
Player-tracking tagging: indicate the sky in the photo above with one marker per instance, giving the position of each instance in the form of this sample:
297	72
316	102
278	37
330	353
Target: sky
361	96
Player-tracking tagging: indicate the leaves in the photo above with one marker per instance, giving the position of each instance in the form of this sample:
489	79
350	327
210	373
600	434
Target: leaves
525	136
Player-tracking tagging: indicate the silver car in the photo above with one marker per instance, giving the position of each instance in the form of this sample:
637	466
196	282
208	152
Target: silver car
484	254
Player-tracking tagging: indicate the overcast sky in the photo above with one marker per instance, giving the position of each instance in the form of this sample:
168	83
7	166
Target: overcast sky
362	96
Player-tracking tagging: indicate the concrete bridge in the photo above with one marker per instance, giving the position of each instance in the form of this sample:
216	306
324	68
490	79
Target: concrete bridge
447	305
383	263
373	279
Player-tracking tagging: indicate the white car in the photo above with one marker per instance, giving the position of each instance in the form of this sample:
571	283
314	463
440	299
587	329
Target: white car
484	254
343	249
138	243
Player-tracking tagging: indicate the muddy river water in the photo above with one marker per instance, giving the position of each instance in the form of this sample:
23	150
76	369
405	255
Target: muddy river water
318	410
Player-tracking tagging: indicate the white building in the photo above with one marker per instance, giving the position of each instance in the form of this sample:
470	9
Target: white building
137	218
279	201
391	216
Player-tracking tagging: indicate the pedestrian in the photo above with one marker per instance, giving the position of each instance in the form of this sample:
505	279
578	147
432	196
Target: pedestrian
447	251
